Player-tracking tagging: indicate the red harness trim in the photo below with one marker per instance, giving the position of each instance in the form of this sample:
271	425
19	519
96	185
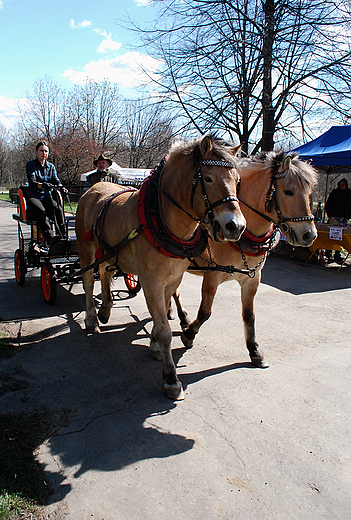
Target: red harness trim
258	243
147	230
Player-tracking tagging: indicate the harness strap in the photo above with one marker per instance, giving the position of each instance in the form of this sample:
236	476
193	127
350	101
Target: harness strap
230	269
100	217
256	211
109	254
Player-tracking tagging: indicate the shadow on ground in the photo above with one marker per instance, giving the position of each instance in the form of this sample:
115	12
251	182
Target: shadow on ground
297	277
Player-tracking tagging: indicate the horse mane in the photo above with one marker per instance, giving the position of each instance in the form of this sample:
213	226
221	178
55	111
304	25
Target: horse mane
299	171
220	148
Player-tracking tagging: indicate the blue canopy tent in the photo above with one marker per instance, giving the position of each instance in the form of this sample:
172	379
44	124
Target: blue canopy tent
330	152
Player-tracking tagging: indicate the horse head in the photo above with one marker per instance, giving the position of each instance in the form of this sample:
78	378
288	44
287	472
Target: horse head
216	202
290	194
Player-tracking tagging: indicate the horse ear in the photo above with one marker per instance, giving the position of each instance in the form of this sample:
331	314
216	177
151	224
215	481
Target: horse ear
235	149
286	163
205	145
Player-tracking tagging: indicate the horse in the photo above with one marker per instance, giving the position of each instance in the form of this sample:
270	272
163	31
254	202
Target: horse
275	192
153	232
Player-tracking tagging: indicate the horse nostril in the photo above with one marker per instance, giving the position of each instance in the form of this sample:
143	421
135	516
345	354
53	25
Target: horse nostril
307	236
231	227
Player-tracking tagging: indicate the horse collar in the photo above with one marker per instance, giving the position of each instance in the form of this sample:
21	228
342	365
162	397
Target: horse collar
155	229
252	245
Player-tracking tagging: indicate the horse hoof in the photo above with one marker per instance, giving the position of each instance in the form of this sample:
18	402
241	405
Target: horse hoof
259	362
92	329
104	315
174	392
188	343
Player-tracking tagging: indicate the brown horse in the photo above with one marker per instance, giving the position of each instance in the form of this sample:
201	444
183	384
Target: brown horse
275	191
154	232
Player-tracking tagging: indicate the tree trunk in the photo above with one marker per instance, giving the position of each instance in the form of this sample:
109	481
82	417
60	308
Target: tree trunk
268	128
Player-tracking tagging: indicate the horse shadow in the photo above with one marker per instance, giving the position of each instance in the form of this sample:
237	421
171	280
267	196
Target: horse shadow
108	389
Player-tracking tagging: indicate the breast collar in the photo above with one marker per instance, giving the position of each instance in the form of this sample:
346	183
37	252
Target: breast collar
257	246
155	228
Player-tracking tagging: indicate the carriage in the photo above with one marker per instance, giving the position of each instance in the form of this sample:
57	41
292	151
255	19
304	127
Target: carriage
58	263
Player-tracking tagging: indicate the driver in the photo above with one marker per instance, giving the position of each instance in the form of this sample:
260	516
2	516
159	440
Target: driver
42	207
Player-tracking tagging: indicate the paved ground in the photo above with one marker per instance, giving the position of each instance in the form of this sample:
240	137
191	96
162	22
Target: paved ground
245	444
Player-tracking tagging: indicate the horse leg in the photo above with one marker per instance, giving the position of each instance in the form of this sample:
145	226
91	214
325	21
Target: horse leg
107	302
182	314
91	321
208	292
170	314
162	336
155	350
248	293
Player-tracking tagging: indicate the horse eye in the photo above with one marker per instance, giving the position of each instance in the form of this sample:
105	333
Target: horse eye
208	179
289	193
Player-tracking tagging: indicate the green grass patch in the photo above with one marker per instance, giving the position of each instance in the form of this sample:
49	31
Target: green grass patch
5	196
74	205
23	488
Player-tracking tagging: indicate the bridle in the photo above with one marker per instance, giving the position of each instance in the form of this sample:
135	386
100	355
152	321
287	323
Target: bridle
272	202
198	178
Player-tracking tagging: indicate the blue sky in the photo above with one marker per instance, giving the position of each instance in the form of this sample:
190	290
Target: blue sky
67	40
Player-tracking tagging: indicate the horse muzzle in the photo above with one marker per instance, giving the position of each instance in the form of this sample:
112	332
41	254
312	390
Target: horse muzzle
224	229
301	236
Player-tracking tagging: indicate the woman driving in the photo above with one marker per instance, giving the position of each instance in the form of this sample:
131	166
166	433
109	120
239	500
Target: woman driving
42	207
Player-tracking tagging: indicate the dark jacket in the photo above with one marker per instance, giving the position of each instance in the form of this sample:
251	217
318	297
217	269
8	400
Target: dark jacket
37	173
97	176
339	203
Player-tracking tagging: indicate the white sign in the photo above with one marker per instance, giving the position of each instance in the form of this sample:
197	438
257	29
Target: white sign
335	233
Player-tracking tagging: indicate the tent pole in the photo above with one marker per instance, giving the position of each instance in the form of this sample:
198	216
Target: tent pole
326	192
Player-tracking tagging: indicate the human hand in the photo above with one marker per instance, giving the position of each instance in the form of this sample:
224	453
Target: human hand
47	186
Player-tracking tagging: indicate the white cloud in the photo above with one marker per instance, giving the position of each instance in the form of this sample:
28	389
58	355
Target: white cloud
126	70
101	32
108	45
8	111
80	25
143	2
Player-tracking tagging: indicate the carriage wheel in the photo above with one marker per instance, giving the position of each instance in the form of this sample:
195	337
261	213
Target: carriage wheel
48	283
132	283
20	267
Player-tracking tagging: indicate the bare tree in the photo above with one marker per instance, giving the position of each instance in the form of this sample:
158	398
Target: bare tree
96	108
4	156
254	68
90	118
147	132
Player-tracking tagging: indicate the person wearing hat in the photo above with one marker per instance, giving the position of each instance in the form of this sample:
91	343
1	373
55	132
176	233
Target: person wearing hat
338	209
102	164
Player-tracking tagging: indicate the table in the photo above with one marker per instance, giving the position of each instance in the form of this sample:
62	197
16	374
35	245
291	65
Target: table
323	241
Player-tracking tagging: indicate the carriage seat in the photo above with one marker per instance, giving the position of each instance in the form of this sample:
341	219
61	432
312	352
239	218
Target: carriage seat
21	204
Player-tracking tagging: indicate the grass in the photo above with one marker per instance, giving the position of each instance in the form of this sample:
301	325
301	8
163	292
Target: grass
5	196
68	207
23	488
